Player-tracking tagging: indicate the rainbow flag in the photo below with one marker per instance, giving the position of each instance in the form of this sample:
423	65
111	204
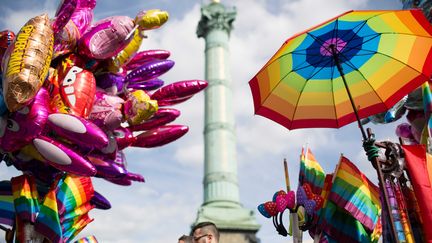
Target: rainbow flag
7	209
311	171
25	197
87	239
48	222
354	192
73	198
342	226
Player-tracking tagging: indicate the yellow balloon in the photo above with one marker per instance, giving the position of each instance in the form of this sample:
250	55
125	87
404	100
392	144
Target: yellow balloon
151	19
139	107
26	62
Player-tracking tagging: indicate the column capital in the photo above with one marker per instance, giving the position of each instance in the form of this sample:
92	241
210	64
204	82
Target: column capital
215	16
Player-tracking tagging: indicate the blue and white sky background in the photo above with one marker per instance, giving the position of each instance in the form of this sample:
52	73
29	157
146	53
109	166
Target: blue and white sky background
163	208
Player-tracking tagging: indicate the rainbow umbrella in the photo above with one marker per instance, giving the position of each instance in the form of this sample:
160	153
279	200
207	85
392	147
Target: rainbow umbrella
353	66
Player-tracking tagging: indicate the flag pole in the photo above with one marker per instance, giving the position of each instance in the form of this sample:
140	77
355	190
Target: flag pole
293	213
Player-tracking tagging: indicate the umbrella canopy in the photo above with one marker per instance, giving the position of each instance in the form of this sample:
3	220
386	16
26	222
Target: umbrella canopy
376	56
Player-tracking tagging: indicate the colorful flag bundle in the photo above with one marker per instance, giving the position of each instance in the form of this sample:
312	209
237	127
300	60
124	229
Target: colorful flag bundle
87	239
311	171
354	192
48	222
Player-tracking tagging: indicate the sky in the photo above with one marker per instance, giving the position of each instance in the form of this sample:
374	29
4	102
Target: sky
163	208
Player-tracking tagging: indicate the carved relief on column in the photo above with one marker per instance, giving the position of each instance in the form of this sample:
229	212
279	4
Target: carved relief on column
215	16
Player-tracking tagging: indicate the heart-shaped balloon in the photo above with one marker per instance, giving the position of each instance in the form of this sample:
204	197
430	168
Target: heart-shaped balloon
271	208
280	192
308	190
301	196
290	198
319	202
309	206
262	210
281	203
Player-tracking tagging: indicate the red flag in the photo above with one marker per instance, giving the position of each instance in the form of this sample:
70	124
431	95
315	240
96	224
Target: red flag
419	165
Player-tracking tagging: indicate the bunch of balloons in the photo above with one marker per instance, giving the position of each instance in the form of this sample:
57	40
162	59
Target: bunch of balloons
76	93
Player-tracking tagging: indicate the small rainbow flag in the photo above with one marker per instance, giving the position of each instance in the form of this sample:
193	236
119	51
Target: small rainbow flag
354	192
25	197
87	239
342	226
7	210
47	221
311	171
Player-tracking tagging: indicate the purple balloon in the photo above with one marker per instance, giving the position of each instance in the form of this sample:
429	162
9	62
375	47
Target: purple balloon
99	201
147	85
142	57
160	118
149	70
110	81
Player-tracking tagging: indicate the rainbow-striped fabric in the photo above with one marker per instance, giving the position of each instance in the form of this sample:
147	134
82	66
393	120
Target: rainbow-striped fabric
311	171
354	192
26	197
47	221
7	210
87	239
73	196
383	55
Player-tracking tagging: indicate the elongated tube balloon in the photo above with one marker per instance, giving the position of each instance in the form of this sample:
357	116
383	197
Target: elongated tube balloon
124	137
160	136
144	56
149	70
160	118
99	201
106	38
27	65
178	92
151	84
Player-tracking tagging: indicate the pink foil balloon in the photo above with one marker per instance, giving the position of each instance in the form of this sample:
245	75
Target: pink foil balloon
82	18
178	92
160	118
106	38
63	14
106	112
160	136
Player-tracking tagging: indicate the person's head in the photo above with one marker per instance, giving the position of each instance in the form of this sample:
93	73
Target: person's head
205	232
185	239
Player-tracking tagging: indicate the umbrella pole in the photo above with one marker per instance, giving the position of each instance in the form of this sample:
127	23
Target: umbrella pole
375	162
